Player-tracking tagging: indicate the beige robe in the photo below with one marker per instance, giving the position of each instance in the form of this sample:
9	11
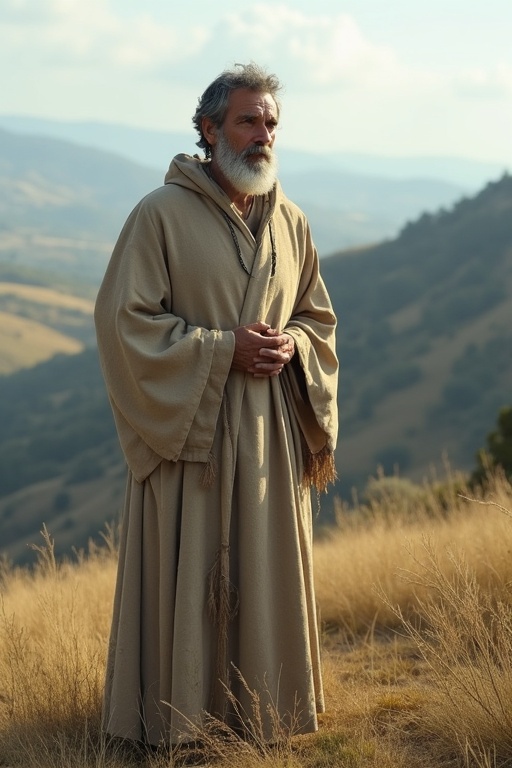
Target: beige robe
220	463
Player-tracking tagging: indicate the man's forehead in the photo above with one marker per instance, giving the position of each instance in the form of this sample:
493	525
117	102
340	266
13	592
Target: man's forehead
247	100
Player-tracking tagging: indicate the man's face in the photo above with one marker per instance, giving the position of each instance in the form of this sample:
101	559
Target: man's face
251	119
243	146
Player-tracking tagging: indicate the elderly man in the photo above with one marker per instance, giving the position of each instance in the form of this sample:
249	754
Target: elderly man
216	338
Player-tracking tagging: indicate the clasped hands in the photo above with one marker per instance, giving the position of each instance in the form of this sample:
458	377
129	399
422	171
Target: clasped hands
261	350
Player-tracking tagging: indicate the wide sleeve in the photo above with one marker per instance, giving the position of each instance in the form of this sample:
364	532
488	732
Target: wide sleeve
311	380
165	378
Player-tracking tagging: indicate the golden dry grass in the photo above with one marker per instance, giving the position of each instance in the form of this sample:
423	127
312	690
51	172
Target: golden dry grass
414	595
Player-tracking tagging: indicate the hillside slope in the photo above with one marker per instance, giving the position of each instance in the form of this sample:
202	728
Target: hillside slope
59	459
425	338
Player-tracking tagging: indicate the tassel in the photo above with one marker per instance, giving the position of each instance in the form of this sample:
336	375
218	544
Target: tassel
222	608
319	468
209	472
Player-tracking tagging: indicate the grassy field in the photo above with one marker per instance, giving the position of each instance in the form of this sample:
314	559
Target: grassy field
414	594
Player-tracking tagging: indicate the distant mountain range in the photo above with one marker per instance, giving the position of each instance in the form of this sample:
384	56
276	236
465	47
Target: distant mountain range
155	148
349	199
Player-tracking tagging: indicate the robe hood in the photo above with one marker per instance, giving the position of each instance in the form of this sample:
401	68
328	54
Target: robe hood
188	171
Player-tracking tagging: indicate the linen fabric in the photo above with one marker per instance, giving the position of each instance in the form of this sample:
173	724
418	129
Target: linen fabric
214	608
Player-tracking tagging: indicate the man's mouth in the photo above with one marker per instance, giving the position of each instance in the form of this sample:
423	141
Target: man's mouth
259	152
258	156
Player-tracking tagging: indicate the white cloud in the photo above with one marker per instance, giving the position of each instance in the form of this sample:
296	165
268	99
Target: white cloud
91	34
308	51
24	11
333	53
480	83
326	50
336	51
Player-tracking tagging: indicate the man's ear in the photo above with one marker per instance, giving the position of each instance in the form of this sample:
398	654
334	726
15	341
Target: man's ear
209	131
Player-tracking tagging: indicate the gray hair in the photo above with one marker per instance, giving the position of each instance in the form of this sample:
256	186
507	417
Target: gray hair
214	101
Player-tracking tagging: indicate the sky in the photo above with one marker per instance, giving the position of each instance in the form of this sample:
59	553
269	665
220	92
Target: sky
395	78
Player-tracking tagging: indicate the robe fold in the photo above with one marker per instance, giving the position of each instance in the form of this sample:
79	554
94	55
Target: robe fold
217	462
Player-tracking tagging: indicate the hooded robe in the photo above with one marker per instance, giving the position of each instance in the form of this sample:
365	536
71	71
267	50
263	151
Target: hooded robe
214	607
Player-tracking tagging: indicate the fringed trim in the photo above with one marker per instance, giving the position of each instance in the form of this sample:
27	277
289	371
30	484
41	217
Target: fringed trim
222	608
222	595
319	468
209	471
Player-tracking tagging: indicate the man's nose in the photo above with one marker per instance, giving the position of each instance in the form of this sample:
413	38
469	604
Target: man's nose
264	136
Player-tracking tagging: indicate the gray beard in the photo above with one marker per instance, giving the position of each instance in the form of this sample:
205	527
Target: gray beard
249	178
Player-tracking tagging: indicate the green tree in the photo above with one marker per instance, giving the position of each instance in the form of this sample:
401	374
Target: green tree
498	452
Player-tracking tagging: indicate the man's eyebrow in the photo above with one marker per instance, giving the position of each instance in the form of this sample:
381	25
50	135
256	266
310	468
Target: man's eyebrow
256	113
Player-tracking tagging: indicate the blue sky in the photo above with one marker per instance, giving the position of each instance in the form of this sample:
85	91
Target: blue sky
424	77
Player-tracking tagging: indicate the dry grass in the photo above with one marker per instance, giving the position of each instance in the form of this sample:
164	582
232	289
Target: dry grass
365	555
414	594
53	625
